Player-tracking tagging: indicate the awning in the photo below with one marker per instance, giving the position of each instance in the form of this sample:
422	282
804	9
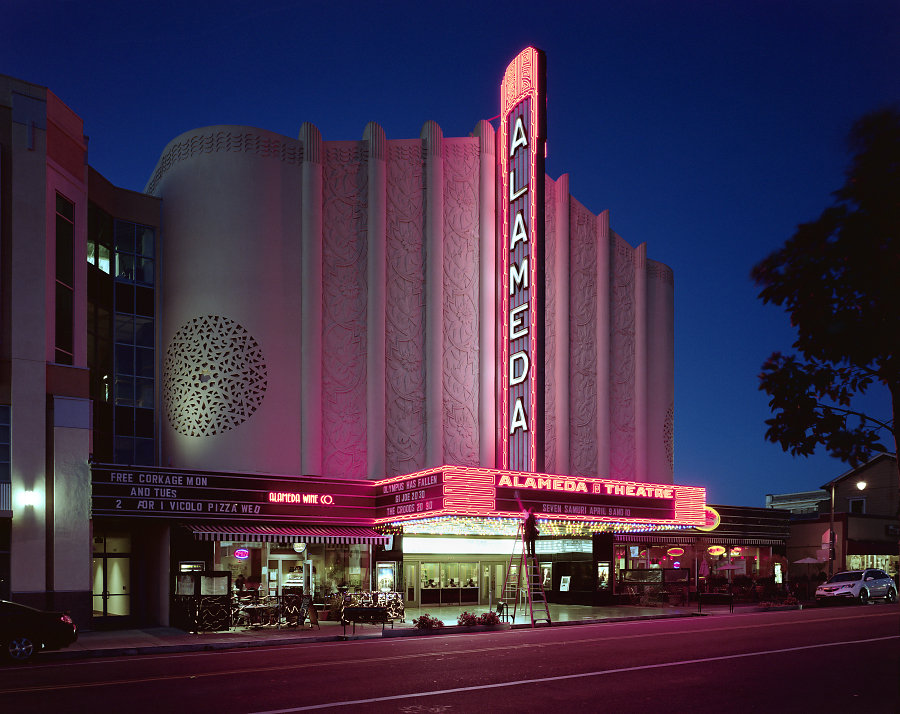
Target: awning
662	539
278	534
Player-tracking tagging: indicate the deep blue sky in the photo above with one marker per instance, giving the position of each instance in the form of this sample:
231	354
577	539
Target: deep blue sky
708	129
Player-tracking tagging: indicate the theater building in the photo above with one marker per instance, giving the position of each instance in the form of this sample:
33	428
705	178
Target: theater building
333	362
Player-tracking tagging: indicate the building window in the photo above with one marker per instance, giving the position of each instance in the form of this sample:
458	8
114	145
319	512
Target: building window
65	280
122	337
858	505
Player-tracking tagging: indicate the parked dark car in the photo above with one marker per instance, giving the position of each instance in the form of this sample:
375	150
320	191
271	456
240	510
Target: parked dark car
25	631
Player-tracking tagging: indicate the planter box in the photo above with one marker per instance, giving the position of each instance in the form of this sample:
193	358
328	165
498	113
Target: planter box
446	630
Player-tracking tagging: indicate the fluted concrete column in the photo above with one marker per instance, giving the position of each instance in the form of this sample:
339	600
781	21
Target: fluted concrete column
311	302
432	139
487	295
377	300
604	338
562	368
641	442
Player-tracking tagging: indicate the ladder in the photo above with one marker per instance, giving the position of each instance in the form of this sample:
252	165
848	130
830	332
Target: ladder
520	561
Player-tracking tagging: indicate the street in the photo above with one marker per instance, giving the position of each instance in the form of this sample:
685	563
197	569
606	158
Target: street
814	659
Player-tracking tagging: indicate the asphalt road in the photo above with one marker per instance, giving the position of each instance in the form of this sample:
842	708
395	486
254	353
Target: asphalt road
814	660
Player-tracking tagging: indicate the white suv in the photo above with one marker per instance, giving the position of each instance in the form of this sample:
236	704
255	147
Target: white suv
860	585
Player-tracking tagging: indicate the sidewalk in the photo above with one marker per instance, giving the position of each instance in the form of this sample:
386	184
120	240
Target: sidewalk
159	640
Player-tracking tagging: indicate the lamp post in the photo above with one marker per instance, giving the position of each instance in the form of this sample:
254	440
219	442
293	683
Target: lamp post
860	485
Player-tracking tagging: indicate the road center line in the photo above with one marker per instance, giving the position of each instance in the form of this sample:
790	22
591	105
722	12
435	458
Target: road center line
563	677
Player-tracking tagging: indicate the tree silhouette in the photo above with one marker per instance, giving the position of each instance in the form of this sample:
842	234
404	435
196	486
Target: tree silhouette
838	277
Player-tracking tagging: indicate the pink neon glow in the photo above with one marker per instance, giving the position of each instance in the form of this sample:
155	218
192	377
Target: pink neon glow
241	553
471	491
519	90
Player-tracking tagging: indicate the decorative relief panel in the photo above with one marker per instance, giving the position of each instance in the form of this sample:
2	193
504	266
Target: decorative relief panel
214	376
550	386
344	295
669	436
405	319
622	358
583	341
460	310
249	142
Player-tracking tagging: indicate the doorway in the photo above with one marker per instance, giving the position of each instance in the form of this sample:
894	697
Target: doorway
111	576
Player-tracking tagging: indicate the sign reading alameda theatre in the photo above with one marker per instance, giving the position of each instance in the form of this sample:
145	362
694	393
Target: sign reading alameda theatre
521	156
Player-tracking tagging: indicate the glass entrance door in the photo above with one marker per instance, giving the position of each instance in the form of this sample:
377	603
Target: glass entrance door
111	576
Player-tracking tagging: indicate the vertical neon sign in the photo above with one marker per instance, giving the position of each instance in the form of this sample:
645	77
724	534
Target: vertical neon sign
521	261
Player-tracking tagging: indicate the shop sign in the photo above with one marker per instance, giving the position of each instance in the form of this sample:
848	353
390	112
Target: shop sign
172	493
241	553
521	319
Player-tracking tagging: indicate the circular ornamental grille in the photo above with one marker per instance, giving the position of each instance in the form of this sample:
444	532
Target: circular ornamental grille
214	376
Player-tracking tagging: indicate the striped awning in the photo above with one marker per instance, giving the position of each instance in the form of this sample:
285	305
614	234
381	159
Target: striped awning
661	539
282	534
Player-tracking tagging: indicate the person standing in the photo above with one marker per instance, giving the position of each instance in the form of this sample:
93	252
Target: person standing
531	531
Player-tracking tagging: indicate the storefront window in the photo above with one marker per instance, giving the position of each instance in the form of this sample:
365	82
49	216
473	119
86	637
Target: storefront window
319	569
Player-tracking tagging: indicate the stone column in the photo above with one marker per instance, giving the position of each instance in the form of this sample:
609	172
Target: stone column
311	302
487	295
562	368
377	300
604	337
432	138
641	443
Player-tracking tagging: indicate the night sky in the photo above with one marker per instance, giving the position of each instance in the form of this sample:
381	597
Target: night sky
708	129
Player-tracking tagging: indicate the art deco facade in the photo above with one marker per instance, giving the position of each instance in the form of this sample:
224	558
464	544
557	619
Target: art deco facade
337	302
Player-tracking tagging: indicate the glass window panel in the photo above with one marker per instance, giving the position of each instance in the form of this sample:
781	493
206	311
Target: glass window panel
124	266
451	576
4	433
65	207
65	246
124	359
124	297
144	452
64	318
124	328
468	574
91	252
124	421
145	241
143	331
4	414
144	362
143	423
144	301
143	393
124	450
103	258
118	544
430	575
144	271
125	236
124	390
4	472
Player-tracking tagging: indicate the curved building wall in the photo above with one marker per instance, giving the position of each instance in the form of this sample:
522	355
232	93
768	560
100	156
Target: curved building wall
229	300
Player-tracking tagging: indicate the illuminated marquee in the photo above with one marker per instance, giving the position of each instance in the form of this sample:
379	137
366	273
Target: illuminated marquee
493	493
522	148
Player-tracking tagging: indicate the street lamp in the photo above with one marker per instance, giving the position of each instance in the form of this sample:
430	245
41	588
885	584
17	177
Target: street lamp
860	485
